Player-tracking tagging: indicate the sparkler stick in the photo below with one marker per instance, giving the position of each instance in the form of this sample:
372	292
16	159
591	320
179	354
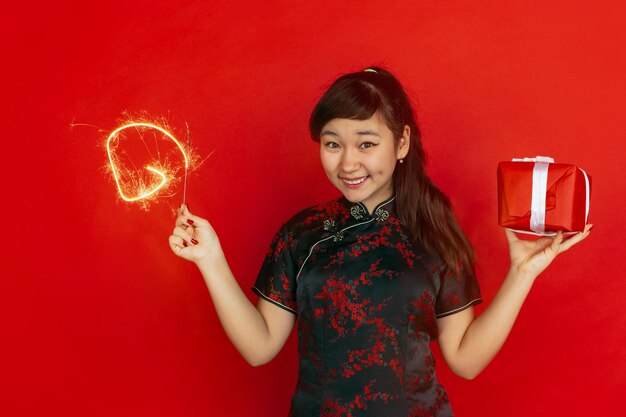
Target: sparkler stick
186	165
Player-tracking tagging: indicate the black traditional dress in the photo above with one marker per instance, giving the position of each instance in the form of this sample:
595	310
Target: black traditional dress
366	297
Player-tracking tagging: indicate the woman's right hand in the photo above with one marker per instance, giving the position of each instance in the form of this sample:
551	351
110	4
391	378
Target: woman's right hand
193	237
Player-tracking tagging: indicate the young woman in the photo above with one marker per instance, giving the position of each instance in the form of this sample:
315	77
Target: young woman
372	277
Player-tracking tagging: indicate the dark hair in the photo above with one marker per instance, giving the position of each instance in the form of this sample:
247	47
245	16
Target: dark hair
421	206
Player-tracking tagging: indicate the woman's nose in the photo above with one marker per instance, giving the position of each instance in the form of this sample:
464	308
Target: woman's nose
349	161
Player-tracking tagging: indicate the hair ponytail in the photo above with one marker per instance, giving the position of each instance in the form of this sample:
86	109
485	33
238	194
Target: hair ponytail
427	213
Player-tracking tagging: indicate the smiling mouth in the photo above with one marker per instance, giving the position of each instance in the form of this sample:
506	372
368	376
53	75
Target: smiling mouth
353	182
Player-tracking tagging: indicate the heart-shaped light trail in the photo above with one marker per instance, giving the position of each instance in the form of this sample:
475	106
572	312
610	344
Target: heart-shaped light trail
155	171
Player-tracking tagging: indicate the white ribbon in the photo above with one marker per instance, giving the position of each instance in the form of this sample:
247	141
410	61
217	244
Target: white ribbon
540	185
538	202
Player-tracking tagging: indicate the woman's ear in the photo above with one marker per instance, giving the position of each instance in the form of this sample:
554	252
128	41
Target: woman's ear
404	143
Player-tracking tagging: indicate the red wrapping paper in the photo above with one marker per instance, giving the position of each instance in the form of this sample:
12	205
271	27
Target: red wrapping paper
566	197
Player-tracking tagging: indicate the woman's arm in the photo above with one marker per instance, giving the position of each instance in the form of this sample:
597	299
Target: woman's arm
469	343
258	333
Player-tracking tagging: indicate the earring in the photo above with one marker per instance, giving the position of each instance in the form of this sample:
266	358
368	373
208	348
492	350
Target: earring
401	160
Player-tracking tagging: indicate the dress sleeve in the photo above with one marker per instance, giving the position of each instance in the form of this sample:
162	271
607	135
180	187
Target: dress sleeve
276	281
457	291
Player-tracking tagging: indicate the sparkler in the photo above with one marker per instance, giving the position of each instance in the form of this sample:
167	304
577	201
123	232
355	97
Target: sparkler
159	171
186	165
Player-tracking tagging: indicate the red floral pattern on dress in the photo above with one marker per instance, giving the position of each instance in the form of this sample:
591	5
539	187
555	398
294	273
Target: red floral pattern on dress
367	298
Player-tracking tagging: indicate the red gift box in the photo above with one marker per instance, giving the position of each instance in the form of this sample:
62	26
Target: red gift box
537	196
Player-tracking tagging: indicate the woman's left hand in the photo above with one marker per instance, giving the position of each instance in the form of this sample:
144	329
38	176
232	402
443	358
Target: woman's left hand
531	257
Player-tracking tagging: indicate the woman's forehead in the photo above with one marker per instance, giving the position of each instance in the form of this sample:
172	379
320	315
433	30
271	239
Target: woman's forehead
374	124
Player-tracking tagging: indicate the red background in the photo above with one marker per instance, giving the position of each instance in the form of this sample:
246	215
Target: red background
99	318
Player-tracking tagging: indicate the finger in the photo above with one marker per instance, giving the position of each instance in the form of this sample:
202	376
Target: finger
577	238
177	244
184	235
196	219
182	209
571	242
184	221
544	242
188	219
584	232
556	242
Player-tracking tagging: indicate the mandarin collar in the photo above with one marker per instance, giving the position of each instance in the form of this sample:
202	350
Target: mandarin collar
359	212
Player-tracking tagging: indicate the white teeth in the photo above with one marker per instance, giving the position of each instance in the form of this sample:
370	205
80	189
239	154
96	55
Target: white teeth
354	182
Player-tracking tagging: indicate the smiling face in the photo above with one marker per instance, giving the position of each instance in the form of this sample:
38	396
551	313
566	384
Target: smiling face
360	156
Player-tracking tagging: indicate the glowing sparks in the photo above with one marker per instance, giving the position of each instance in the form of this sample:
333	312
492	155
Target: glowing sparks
131	184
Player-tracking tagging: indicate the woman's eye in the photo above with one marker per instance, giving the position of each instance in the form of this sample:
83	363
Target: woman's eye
331	145
367	145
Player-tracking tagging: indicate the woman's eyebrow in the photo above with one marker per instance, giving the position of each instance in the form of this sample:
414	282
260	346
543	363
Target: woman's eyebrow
328	132
367	132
